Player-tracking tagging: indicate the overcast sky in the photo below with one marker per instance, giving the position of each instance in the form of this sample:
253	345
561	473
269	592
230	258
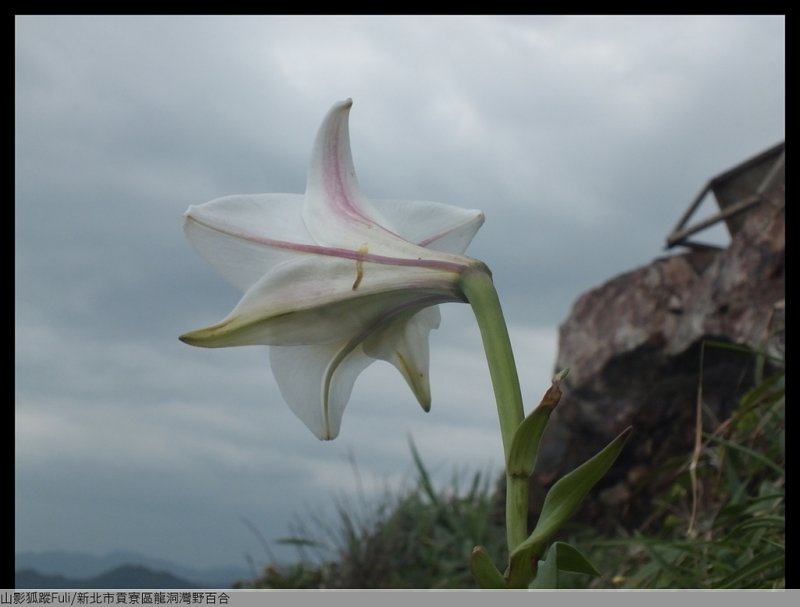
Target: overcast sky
582	140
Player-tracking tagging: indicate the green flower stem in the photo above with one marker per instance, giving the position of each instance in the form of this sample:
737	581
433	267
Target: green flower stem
477	286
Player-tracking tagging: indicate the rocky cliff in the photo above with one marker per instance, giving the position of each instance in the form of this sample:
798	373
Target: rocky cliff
633	348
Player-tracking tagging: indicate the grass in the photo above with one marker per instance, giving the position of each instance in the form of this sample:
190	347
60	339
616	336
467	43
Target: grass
721	522
419	539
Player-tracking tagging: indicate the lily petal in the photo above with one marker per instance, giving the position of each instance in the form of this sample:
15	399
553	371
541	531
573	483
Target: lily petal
311	300
336	213
405	345
316	382
241	236
433	225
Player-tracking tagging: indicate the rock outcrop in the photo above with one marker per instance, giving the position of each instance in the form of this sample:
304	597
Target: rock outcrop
633	347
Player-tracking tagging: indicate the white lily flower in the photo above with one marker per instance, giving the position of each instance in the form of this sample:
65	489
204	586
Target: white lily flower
332	281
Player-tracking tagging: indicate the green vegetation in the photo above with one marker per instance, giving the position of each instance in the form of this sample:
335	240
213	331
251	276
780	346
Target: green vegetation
719	524
421	539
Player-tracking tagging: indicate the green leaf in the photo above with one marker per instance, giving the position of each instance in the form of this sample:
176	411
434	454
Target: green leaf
525	444
299	541
749	452
571	559
759	522
772	386
485	574
560	503
758	565
560	557
547	573
424	477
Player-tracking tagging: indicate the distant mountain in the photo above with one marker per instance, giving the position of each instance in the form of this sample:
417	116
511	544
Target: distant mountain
127	576
81	566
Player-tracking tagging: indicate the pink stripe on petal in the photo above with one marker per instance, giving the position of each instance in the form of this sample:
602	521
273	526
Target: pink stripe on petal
313	249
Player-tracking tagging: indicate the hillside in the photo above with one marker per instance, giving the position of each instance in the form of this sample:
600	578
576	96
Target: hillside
126	576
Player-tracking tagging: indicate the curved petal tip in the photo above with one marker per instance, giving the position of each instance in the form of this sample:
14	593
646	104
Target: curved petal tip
341	106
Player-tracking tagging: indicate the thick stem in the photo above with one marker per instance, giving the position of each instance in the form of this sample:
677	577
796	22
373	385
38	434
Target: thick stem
477	285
